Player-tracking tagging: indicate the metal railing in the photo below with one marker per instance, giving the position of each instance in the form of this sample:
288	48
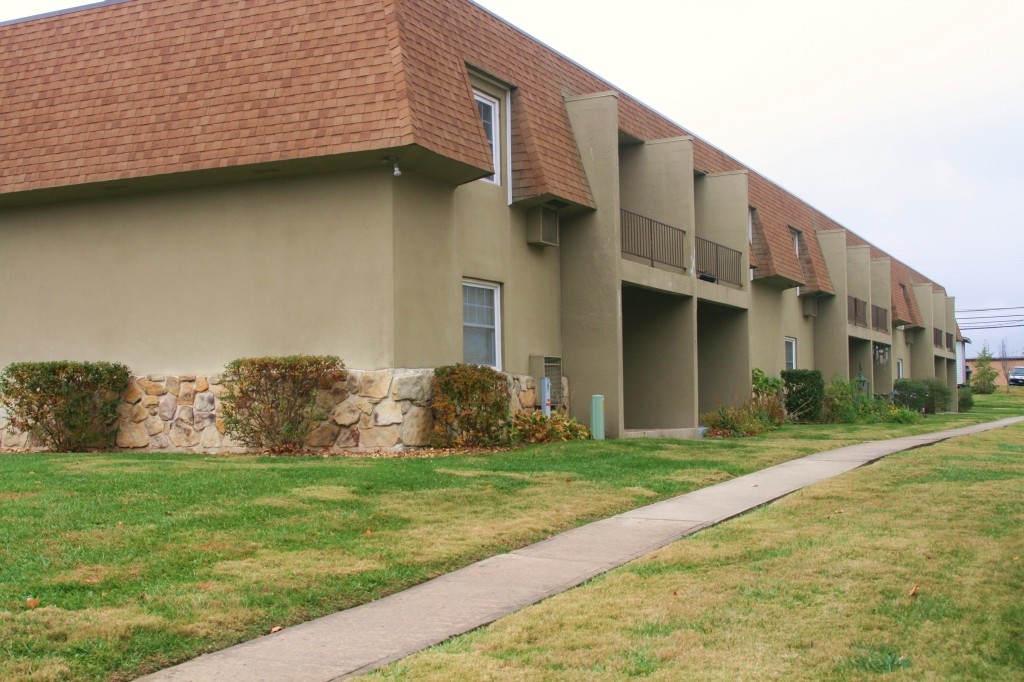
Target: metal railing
879	319
652	240
857	311
718	262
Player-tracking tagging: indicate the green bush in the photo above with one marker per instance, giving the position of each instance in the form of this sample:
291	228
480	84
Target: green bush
763	384
66	405
965	398
271	403
805	394
930	394
470	407
534	427
839	404
910	393
939	396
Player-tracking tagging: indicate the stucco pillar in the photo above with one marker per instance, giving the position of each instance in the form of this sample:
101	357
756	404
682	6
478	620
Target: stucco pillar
590	245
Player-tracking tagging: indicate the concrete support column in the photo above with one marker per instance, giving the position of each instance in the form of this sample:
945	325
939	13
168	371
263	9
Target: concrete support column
590	246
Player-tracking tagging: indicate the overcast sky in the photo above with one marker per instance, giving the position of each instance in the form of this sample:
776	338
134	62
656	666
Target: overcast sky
901	119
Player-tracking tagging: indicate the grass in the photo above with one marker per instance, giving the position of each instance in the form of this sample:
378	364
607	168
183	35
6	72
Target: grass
140	561
912	568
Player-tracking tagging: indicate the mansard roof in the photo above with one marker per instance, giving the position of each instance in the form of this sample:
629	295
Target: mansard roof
141	89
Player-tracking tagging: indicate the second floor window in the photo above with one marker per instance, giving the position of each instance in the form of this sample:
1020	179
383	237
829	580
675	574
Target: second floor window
490	117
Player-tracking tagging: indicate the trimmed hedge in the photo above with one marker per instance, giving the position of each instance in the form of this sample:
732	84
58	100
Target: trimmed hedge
805	394
271	402
69	406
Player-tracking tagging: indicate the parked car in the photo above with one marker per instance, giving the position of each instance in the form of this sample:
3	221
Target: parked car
1016	377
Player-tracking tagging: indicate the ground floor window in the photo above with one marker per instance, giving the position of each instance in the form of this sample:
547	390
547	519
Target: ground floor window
481	323
899	369
790	353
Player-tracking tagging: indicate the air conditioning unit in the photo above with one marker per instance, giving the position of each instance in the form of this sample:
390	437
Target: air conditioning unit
550	367
542	226
810	306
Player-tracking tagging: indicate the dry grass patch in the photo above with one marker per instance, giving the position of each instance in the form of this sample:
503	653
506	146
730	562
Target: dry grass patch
500	519
292	568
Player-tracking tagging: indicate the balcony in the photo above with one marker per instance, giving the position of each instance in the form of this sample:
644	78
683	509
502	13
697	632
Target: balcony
936	337
652	241
949	342
715	262
856	311
879	319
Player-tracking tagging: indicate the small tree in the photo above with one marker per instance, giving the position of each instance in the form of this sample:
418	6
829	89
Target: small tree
983	379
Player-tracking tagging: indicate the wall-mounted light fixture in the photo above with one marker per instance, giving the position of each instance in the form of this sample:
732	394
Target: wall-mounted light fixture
394	162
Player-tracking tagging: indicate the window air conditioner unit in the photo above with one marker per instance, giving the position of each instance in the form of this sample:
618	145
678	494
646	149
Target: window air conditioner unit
550	367
542	226
810	306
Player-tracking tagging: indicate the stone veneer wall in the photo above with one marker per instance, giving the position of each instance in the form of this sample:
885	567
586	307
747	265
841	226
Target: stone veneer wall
370	410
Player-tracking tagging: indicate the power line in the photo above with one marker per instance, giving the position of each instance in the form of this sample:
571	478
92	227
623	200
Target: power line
985	310
983	318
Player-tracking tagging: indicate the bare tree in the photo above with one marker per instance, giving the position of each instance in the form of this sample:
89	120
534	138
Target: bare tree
1005	362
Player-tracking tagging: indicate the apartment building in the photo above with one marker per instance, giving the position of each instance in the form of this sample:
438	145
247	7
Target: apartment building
409	184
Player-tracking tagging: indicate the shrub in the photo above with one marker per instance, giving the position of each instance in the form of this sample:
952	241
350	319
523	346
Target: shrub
66	405
764	384
805	394
534	427
939	396
931	394
910	393
271	403
839	404
470	407
731	421
965	398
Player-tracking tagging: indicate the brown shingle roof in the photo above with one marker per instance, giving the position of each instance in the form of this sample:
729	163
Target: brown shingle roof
152	87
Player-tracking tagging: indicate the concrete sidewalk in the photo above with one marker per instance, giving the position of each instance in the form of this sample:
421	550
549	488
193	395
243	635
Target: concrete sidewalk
369	636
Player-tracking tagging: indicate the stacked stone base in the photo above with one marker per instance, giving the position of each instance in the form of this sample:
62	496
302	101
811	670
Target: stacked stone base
387	409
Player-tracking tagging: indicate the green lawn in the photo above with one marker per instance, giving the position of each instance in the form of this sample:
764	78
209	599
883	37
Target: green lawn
912	568
140	561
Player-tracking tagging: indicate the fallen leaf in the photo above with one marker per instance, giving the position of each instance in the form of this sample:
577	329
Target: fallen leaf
753	485
913	592
368	532
32	602
276	628
568	480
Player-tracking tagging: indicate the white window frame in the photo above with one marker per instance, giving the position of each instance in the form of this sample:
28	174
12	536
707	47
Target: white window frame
496	132
899	368
790	343
495	288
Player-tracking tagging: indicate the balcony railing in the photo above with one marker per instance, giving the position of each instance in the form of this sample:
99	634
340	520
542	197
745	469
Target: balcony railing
949	342
879	319
717	262
653	241
856	311
937	337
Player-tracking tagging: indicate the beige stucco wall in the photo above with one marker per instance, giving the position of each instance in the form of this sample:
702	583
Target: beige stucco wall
185	281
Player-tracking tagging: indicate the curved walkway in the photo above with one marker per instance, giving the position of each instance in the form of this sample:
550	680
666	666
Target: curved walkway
366	637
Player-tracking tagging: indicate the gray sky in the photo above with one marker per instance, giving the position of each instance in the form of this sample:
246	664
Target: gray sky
901	119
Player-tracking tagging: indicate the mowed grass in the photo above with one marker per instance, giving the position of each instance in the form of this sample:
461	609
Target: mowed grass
139	561
912	568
